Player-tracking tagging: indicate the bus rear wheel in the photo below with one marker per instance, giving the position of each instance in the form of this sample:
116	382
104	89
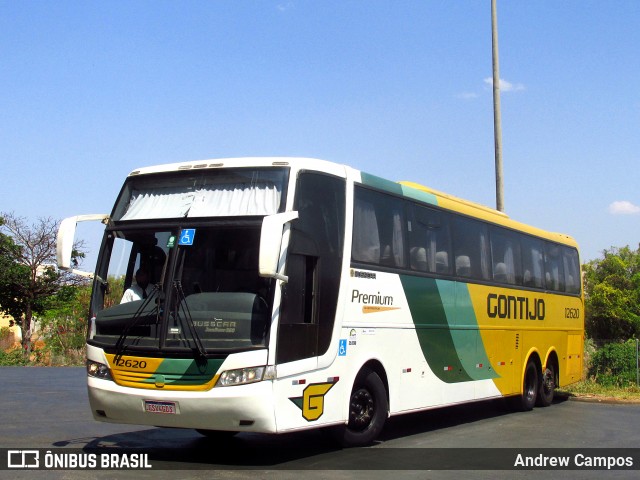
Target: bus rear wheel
547	386
530	387
368	409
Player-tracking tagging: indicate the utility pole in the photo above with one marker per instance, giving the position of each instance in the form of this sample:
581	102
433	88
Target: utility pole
497	128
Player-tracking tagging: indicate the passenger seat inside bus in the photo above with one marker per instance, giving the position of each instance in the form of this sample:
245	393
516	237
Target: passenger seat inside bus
418	257
442	262
463	266
500	273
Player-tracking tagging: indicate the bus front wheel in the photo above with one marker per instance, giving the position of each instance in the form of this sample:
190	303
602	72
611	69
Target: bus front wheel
368	409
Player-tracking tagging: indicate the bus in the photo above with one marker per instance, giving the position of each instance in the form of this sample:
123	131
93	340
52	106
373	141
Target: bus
284	294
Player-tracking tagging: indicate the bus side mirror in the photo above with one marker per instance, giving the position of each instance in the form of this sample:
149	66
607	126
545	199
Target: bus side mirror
66	236
271	244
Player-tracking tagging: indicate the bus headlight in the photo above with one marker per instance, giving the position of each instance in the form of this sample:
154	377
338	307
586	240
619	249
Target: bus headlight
241	376
98	370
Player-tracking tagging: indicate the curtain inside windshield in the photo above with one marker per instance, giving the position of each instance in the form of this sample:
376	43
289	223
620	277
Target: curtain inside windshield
221	193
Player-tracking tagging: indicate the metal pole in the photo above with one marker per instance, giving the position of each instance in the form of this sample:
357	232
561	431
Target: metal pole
637	364
497	128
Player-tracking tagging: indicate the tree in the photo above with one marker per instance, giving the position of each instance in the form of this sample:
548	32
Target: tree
64	323
612	295
28	277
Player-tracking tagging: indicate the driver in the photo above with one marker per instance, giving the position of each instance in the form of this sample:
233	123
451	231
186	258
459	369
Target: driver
139	290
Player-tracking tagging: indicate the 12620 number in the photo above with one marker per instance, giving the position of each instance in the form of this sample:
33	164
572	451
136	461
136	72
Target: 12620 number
129	363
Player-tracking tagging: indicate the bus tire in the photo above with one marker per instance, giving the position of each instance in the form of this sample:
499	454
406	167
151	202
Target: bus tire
530	387
368	410
547	386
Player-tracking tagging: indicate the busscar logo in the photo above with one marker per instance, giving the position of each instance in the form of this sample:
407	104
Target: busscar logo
312	400
23	459
359	274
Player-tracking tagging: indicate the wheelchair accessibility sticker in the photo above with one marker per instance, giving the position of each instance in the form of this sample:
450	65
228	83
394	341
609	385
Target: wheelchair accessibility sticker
342	349
186	236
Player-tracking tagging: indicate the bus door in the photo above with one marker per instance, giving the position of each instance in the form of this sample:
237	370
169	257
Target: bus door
309	298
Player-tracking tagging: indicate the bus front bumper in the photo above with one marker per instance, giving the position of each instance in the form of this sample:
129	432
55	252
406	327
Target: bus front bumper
244	408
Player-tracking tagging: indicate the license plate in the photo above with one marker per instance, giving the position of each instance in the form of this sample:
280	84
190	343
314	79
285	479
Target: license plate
153	406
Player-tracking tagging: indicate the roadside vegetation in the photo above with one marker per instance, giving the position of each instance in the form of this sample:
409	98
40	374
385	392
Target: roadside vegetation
610	372
592	389
612	326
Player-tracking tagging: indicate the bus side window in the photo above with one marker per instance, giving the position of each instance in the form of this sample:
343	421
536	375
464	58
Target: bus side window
554	271
366	237
378	229
429	241
505	257
471	248
572	270
532	262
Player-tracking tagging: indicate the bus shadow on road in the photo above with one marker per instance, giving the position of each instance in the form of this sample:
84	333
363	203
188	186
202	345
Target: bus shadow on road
186	449
182	448
443	418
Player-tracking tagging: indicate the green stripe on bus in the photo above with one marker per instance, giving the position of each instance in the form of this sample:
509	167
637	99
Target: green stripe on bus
185	371
419	195
447	329
433	329
381	183
466	334
398	189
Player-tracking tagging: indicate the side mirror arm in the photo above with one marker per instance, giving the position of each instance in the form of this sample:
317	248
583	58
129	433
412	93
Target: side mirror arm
66	237
271	244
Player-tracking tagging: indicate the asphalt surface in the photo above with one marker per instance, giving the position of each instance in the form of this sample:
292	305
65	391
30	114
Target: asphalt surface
47	408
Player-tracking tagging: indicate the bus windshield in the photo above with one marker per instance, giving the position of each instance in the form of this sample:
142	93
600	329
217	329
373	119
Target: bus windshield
203	295
178	270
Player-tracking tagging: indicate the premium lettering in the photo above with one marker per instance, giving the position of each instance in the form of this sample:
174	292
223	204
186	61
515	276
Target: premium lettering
371	299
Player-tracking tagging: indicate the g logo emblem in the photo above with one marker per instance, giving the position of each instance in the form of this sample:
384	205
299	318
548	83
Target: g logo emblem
312	401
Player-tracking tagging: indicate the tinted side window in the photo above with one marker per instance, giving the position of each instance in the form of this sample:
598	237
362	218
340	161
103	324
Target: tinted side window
429	241
532	262
571	265
470	248
554	268
505	257
378	229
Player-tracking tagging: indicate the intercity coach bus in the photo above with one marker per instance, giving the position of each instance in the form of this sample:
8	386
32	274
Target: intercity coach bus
292	293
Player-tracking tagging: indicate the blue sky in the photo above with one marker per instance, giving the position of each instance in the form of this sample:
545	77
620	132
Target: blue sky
91	90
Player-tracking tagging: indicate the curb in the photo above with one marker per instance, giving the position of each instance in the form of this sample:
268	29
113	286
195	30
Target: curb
598	399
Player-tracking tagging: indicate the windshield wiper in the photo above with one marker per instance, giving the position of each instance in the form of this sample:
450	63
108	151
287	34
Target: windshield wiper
181	305
135	319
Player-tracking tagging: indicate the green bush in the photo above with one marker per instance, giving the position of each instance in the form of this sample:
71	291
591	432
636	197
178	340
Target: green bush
12	358
614	364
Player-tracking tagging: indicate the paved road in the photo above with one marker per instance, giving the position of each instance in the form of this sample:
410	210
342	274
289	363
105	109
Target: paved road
48	408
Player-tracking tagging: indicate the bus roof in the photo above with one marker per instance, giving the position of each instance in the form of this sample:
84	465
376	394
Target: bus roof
405	188
467	207
299	162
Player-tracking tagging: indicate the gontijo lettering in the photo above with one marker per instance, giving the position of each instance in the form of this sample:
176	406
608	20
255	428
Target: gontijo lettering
515	308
